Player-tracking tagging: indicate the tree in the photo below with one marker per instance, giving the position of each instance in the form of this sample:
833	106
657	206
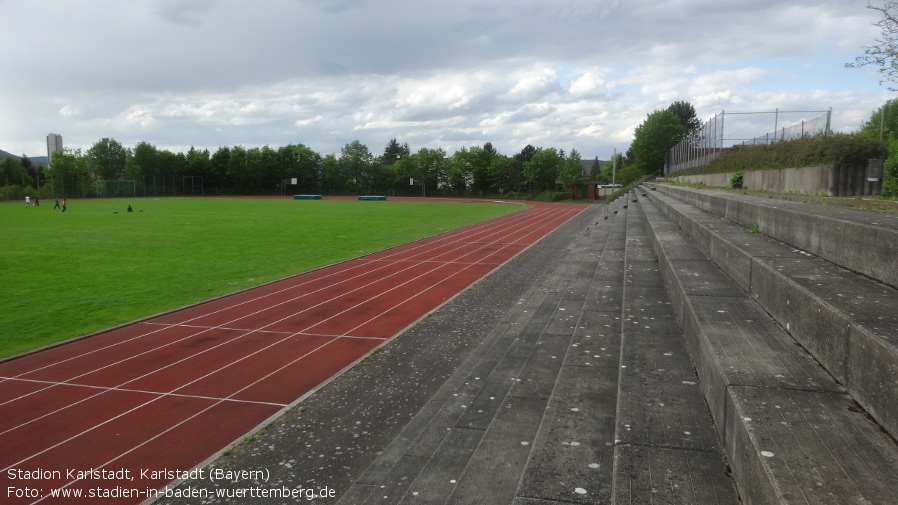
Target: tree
332	179
430	165
356	164
542	169
685	112
13	173
69	174
516	177
198	162
571	171
394	152
34	171
302	163
608	173
499	174
461	169
271	170
883	123
652	140
107	159
883	53
595	170
220	161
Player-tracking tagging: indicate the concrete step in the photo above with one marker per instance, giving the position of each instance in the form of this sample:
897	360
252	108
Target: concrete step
791	433
863	242
847	321
667	448
571	458
493	433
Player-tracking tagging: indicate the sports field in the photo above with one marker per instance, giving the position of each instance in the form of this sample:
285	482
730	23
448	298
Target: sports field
97	266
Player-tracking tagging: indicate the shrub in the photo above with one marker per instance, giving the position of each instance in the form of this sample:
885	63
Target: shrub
736	180
890	172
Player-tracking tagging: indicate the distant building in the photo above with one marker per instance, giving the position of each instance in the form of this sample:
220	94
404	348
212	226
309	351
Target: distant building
54	145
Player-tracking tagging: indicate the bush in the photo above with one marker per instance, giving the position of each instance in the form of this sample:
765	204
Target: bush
890	172
736	180
628	174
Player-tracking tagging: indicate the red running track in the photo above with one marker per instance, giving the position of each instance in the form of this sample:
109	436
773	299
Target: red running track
109	413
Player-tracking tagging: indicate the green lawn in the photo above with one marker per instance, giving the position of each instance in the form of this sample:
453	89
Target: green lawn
96	266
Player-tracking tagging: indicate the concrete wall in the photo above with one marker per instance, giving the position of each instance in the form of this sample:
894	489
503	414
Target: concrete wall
828	180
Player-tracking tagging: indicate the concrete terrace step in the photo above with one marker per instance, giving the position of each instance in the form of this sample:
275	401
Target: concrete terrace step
792	434
553	408
860	241
667	448
497	419
849	322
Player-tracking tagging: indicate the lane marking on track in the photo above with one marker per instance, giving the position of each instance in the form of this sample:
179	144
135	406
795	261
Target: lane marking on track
485	228
142	391
491	263
238	337
164	395
441	250
261	330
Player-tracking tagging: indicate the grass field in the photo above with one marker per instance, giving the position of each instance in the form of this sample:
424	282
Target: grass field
97	266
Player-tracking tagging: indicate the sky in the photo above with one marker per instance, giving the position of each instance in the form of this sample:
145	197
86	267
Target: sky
444	74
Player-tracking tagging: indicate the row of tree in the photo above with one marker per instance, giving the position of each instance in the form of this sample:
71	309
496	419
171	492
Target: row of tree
478	170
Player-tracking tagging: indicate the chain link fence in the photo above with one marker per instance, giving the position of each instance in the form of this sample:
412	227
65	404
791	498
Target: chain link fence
722	132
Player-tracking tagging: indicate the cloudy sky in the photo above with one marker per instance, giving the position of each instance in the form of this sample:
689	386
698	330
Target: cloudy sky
433	73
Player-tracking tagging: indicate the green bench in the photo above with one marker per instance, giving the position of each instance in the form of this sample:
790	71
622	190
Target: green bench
307	197
372	197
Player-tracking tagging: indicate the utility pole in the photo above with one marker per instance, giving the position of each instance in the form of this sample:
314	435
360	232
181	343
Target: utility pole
613	170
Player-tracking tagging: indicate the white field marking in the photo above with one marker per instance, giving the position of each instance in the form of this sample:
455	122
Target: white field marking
126	390
427	288
442	262
291	333
163	395
366	273
147	441
169	429
184	359
352	265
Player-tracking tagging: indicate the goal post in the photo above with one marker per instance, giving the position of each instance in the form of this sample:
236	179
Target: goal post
192	185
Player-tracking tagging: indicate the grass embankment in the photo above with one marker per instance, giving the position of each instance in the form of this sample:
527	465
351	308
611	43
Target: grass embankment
97	266
839	149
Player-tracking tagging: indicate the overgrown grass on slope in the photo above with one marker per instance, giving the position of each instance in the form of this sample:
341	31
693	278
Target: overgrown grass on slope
838	149
96	266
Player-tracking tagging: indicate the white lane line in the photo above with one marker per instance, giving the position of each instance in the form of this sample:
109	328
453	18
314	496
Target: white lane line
142	391
209	374
352	265
200	352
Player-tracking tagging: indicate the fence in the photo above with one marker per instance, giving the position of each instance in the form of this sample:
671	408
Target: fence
712	139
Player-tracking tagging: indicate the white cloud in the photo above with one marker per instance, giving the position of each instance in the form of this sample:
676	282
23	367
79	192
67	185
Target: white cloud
579	75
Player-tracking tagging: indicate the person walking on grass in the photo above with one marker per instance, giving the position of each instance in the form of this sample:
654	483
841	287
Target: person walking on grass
27	202
56	201
63	204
